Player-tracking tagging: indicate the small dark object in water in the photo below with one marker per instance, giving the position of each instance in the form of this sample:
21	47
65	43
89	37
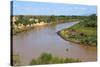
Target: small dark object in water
67	49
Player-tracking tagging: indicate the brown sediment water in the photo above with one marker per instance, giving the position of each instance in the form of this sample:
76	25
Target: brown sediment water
31	44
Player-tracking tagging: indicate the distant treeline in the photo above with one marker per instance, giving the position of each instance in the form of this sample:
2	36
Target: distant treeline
24	19
25	22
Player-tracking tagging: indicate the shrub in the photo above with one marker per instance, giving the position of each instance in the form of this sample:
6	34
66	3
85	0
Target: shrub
46	58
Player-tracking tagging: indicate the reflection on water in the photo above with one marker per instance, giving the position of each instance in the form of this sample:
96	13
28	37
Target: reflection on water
32	43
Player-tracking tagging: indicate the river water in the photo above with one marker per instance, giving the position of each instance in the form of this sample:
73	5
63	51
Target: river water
44	39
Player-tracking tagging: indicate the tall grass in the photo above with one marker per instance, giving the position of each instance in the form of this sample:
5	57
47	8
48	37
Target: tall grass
46	58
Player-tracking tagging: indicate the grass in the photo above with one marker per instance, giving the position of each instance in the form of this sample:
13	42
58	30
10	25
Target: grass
80	34
86	30
46	58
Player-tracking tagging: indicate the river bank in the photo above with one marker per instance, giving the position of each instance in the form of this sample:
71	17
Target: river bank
20	28
80	35
65	37
85	32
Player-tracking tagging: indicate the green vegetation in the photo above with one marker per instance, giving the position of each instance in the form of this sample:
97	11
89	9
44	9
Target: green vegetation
46	58
22	23
47	19
85	32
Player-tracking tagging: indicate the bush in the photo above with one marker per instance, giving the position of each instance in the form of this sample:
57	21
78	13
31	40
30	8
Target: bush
90	21
46	58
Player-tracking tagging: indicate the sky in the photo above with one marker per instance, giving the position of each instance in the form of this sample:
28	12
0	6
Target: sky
42	8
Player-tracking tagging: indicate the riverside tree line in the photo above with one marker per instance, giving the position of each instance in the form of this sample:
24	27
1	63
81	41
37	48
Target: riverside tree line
26	22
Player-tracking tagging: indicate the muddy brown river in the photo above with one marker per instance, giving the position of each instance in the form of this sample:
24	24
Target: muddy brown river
31	44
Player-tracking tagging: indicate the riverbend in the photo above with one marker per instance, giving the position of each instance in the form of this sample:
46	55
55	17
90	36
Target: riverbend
30	44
